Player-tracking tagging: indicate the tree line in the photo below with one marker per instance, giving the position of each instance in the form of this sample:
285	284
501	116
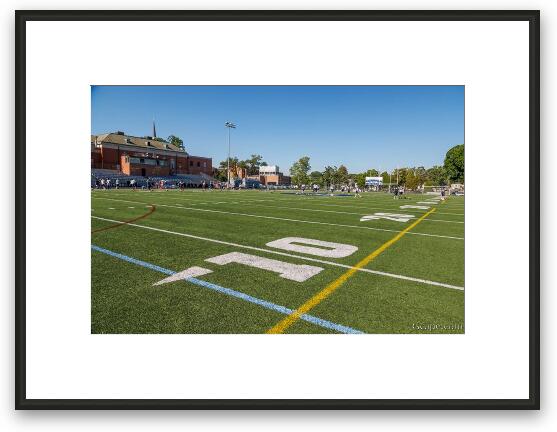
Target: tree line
251	165
452	171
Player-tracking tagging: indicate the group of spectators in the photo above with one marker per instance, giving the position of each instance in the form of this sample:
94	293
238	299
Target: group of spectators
149	184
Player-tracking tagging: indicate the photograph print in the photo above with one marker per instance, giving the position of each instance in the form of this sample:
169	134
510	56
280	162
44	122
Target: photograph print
277	209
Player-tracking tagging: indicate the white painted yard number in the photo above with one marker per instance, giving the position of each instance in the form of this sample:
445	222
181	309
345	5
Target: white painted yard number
388	216
295	272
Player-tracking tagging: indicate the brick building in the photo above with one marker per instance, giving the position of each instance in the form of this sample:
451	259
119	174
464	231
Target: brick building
270	175
144	156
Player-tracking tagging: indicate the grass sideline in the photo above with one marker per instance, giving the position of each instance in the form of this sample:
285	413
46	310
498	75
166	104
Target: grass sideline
212	223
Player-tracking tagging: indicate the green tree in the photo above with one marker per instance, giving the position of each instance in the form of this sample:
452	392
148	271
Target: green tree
415	177
224	164
234	164
385	176
360	179
334	176
219	174
401	174
341	175
372	173
174	140
328	176
421	174
299	171
412	179
454	163
242	164
436	176
316	177
253	164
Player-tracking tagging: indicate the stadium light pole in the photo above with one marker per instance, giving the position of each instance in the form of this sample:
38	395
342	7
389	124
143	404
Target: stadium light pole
229	125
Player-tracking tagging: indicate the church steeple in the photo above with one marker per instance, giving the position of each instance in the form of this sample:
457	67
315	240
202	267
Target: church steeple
154	130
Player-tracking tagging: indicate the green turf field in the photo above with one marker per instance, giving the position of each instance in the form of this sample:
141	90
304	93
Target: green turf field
393	283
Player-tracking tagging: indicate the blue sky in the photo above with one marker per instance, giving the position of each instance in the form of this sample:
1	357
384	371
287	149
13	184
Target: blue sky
362	127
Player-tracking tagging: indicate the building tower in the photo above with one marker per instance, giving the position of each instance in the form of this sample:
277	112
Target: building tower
154	130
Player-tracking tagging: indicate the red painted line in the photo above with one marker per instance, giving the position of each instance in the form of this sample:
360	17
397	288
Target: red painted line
149	213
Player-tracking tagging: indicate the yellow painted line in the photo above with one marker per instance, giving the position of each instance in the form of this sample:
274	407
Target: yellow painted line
333	286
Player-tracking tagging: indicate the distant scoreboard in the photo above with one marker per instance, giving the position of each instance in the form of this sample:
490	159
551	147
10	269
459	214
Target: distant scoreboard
374	181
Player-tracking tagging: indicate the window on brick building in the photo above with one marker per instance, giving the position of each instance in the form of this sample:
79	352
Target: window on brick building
198	164
191	163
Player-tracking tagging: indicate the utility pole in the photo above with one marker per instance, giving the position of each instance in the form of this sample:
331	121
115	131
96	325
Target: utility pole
229	125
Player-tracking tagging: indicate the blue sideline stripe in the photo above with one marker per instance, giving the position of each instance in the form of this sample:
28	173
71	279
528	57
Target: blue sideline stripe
230	292
133	260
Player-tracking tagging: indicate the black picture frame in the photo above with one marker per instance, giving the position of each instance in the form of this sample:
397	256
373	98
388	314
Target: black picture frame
531	16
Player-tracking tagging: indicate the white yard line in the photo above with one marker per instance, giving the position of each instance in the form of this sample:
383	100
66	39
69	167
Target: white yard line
363	208
408	278
307	200
319	210
442	220
282	219
291	200
313	210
